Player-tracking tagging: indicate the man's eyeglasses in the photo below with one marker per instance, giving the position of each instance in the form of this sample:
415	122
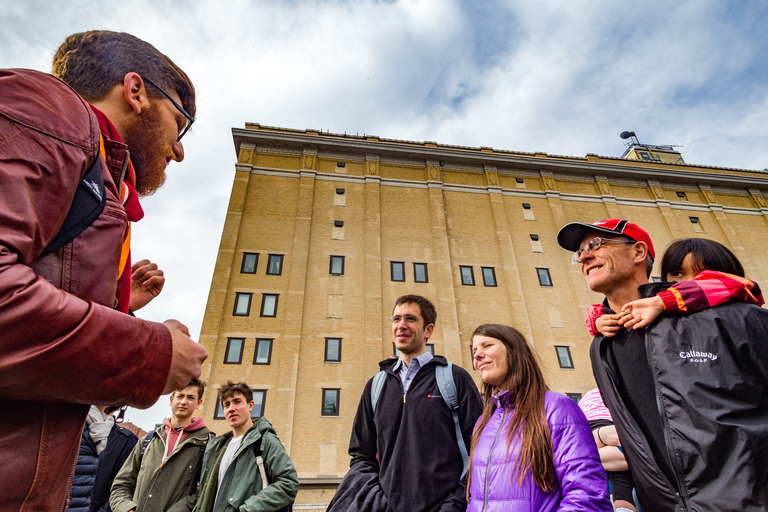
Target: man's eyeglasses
594	244
409	319
178	107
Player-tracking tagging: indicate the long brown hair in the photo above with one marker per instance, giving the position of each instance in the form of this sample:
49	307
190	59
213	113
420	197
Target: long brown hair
527	388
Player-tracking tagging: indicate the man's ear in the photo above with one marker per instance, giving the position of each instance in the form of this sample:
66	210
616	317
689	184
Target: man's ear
428	330
199	403
641	251
135	92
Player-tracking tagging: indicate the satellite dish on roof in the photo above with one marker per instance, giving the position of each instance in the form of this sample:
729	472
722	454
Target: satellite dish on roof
626	135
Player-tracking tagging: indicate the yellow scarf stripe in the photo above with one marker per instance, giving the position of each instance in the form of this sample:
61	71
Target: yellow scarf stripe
679	299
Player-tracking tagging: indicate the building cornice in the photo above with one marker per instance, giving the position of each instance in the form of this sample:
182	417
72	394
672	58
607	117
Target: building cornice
683	173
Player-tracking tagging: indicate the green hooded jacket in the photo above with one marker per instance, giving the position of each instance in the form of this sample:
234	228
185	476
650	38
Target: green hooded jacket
242	488
147	484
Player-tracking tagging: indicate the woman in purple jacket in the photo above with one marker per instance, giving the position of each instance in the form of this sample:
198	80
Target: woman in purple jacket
518	461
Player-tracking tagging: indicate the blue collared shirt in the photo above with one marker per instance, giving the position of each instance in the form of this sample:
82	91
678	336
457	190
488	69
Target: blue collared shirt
407	373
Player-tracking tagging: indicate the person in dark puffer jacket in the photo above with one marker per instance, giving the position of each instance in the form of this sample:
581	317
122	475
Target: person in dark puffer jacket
104	448
85	474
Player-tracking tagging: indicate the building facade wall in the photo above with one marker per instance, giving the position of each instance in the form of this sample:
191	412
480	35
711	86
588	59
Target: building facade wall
446	208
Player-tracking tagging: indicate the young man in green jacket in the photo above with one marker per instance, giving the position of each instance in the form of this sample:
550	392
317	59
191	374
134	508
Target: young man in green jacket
163	470
231	475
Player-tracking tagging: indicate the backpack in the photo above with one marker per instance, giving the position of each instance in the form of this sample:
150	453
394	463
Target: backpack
444	377
260	462
88	203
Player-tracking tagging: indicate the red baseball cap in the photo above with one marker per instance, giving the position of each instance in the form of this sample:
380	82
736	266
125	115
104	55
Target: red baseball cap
571	235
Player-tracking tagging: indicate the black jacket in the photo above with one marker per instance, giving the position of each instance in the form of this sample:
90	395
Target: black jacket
710	374
419	465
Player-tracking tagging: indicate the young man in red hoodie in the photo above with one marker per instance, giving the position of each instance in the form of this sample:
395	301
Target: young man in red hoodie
177	447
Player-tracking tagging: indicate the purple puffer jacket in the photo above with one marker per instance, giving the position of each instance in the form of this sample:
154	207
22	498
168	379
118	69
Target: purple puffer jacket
581	480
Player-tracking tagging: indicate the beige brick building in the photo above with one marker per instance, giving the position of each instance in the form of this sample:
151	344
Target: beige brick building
325	231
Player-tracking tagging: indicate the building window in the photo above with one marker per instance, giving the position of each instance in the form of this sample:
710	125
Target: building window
420	273
332	350
340	197
234	354
398	270
431	348
219	413
263	352
544	278
574	396
269	304
330	402
681	195
489	276
564	357
467	275
536	244
250	261
336	267
528	212
242	304
259	398
655	279
275	265
697	225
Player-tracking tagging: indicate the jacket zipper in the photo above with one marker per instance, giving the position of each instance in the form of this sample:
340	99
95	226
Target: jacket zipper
613	380
123	169
69	484
490	459
665	427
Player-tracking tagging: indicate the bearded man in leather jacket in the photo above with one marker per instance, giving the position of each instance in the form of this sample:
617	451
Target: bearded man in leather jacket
688	393
111	122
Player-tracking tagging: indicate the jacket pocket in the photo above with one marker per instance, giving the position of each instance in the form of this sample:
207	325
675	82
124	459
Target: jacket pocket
90	262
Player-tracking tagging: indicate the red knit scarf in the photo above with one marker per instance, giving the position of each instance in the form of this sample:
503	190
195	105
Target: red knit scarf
133	211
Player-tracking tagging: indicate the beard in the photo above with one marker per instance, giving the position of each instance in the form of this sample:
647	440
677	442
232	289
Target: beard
143	136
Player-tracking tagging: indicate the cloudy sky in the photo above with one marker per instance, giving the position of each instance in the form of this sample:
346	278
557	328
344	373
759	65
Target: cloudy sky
553	76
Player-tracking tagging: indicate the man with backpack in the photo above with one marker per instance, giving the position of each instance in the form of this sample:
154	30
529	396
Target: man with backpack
76	151
163	470
247	468
408	445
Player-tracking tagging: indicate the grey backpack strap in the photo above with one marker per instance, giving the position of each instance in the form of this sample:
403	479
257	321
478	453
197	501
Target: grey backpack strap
256	446
444	377
376	386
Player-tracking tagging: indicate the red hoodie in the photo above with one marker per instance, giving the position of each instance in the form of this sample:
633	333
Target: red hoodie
174	436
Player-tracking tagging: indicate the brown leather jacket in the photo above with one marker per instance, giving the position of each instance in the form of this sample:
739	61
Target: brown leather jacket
62	346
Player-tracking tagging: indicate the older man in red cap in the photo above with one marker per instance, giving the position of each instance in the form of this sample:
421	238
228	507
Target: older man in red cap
694	430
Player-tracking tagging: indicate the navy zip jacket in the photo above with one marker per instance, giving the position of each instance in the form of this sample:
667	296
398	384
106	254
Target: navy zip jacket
407	457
